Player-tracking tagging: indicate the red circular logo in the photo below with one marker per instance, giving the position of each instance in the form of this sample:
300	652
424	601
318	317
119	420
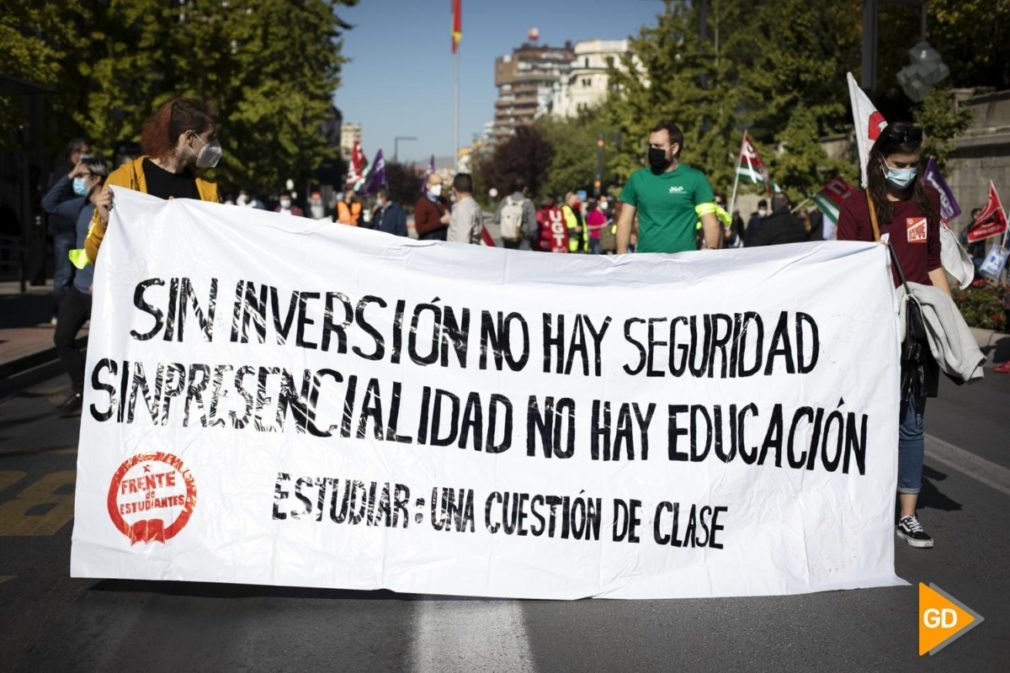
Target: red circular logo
151	497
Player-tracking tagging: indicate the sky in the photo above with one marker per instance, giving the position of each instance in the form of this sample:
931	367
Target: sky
399	79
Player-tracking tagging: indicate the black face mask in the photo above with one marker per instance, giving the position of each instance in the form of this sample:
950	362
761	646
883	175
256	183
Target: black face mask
657	160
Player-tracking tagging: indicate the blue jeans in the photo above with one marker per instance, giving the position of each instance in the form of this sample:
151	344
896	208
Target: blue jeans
63	270
911	444
594	246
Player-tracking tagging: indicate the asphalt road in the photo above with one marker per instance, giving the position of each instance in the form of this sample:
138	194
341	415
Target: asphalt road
49	622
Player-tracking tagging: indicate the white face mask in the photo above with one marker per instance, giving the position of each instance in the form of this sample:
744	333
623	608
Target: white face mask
762	212
285	204
435	190
209	154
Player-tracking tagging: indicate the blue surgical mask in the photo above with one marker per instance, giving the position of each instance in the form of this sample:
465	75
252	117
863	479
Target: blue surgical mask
900	177
80	187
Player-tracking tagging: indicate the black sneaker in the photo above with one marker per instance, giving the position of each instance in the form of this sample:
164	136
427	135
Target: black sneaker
72	404
911	531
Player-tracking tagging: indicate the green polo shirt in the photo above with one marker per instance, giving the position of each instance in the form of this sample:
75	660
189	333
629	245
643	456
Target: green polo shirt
665	203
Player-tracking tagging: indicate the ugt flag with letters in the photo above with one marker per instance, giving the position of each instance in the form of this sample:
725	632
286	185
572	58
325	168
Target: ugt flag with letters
284	402
991	221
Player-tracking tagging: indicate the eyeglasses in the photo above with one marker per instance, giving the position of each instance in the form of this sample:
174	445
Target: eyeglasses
911	135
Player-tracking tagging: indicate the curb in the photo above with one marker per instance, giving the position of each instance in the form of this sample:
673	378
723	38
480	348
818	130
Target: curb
36	367
987	337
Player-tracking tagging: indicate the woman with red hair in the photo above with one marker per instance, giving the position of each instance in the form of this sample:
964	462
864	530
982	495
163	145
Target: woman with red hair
176	140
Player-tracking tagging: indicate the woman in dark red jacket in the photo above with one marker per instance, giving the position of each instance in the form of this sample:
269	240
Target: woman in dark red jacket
908	218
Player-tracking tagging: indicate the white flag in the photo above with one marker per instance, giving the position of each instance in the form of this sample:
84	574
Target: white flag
868	122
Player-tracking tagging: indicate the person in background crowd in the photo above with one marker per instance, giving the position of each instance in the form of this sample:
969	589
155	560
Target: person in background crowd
177	139
431	217
552	233
605	206
668	198
781	226
287	206
317	209
466	220
349	209
820	227
907	215
243	199
572	210
61	228
389	215
126	151
596	221
754	223
737	230
75	201
516	212
976	249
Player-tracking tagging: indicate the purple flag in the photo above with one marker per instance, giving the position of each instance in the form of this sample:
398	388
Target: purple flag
948	204
376	174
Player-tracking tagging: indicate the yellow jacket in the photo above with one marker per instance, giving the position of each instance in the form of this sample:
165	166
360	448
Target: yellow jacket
131	176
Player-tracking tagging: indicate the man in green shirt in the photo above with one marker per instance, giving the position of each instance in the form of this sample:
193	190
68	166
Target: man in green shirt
668	197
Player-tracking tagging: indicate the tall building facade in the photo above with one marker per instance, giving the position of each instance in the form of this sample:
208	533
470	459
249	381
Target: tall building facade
587	82
526	81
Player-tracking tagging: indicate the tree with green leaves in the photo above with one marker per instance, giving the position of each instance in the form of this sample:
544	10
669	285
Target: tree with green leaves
271	68
573	163
673	75
526	155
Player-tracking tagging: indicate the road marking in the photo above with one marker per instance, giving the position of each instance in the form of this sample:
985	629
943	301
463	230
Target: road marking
966	462
9	478
467	636
41	508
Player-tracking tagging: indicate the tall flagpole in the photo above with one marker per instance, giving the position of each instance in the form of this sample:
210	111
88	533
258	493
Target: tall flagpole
455	111
457	34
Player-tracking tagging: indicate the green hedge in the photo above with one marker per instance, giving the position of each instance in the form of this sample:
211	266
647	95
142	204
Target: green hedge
982	306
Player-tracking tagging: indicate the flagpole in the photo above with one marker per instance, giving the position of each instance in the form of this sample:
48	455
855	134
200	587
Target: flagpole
801	204
455	110
736	181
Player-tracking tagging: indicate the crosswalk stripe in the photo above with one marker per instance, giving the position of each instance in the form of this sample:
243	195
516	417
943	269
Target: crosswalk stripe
966	462
464	636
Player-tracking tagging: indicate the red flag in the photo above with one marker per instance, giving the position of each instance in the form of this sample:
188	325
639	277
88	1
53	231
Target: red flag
457	24
991	221
485	237
832	197
748	164
356	170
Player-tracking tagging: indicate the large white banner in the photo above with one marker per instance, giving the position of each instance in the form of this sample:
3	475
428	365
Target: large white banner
276	400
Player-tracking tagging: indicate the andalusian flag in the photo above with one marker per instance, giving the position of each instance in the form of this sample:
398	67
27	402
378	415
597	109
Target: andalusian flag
832	197
748	164
457	24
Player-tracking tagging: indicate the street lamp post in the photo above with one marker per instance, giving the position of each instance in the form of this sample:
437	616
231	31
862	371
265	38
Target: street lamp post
868	65
396	145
